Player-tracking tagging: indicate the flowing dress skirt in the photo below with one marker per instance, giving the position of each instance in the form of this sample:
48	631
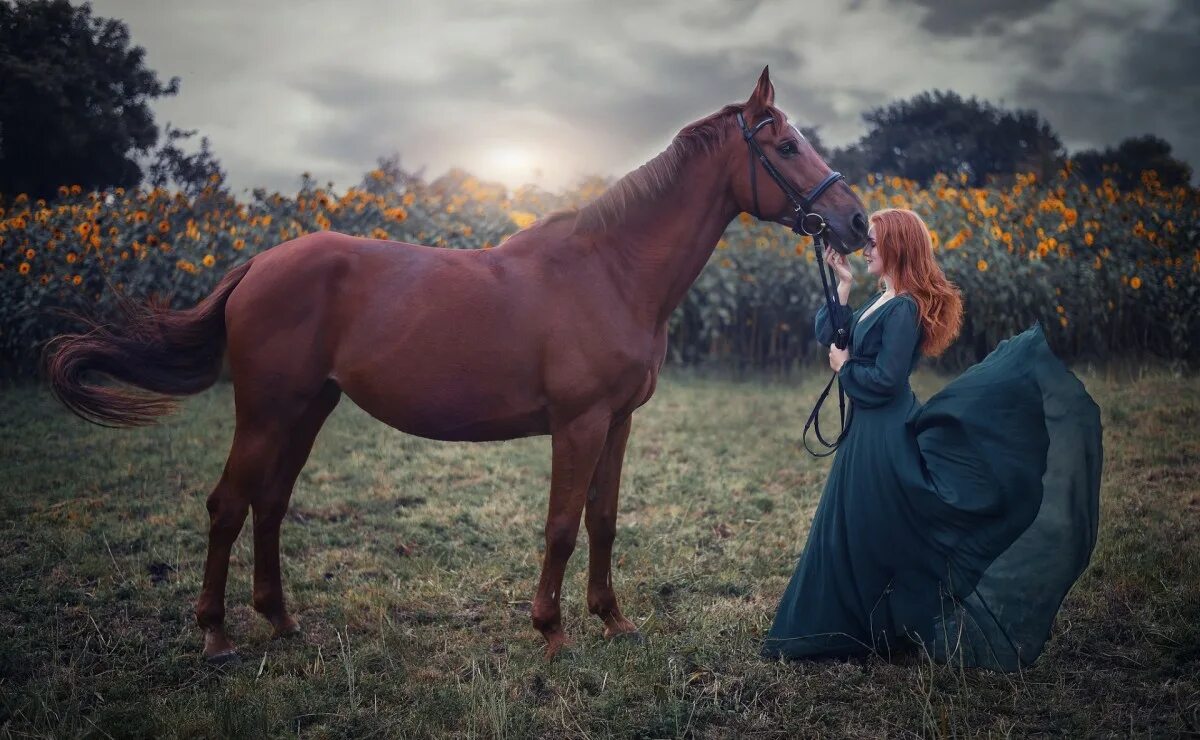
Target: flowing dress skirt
957	526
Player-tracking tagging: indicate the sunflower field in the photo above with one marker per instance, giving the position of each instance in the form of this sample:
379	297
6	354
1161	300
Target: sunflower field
1108	273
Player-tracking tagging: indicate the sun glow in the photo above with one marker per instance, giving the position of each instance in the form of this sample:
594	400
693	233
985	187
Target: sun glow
512	164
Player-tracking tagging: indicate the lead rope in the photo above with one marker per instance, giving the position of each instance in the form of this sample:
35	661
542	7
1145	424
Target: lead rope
841	339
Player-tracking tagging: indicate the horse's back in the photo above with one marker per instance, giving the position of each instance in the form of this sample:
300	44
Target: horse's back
423	338
443	343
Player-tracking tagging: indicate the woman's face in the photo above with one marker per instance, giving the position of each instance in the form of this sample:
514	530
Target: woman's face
871	253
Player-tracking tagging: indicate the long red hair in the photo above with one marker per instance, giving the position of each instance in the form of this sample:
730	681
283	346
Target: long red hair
906	250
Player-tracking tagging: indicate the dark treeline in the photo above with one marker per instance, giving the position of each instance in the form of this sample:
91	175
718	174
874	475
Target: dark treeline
944	132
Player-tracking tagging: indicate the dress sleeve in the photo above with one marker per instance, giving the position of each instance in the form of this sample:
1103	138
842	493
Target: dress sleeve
825	329
875	381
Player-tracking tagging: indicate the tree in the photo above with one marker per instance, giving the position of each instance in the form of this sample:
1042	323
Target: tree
813	135
190	173
1125	163
943	132
74	99
851	161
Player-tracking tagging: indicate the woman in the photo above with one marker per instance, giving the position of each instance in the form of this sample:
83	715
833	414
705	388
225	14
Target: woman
955	527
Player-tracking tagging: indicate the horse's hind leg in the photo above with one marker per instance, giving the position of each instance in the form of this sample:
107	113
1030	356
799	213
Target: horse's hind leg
601	520
270	445
270	506
226	512
253	459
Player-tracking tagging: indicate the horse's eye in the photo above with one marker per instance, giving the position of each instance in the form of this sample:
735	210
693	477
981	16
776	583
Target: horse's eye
787	149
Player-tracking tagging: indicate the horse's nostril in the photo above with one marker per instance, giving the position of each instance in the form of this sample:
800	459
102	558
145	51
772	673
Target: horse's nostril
859	224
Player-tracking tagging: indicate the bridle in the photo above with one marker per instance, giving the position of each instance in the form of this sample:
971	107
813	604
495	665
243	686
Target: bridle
807	221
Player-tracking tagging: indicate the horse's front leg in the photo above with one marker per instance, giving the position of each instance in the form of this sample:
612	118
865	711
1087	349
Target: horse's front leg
576	447
602	529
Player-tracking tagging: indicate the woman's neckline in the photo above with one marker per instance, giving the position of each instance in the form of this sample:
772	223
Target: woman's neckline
877	305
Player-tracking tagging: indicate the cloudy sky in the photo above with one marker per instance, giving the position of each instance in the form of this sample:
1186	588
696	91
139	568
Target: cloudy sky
546	90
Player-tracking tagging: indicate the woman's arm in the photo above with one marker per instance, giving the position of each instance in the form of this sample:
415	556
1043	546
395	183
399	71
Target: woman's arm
875	382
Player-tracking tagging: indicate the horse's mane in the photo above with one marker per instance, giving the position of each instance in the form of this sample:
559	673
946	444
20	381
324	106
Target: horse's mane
652	178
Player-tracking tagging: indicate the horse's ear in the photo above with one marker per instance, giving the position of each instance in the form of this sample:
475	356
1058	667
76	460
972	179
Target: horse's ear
762	98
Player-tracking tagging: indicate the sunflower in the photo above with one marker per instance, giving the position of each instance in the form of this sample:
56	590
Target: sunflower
522	219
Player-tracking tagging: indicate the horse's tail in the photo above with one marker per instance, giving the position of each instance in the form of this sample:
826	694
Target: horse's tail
166	352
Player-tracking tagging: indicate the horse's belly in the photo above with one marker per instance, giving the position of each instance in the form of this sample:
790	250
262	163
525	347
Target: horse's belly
465	427
483	430
449	411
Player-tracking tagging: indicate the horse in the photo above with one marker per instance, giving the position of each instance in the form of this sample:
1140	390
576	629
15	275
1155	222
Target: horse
560	331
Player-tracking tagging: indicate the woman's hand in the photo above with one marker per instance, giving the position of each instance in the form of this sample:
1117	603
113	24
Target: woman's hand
837	357
841	268
845	276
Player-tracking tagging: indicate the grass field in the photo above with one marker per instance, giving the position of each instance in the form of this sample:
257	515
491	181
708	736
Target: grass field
410	565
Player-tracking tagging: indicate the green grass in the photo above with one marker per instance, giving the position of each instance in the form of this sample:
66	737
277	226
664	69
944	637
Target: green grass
410	565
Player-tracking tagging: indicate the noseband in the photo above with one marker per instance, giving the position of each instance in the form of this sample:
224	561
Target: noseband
807	222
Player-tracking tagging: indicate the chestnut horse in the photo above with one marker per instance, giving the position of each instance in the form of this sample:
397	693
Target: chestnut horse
562	330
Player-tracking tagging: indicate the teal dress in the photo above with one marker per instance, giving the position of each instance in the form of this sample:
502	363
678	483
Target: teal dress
953	527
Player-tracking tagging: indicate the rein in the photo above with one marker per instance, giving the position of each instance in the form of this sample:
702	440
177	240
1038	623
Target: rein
808	222
840	340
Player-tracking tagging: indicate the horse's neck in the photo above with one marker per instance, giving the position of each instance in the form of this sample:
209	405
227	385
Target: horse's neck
659	248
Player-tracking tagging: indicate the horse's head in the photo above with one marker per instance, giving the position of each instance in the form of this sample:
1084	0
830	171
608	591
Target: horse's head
802	193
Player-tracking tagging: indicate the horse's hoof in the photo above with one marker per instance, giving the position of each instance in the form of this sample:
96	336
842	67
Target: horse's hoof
632	638
562	648
225	657
287	632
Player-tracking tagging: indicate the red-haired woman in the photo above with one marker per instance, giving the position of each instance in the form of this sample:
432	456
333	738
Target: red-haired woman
956	526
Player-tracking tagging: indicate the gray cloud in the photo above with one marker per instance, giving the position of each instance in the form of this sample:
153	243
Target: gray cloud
1148	84
285	86
956	17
